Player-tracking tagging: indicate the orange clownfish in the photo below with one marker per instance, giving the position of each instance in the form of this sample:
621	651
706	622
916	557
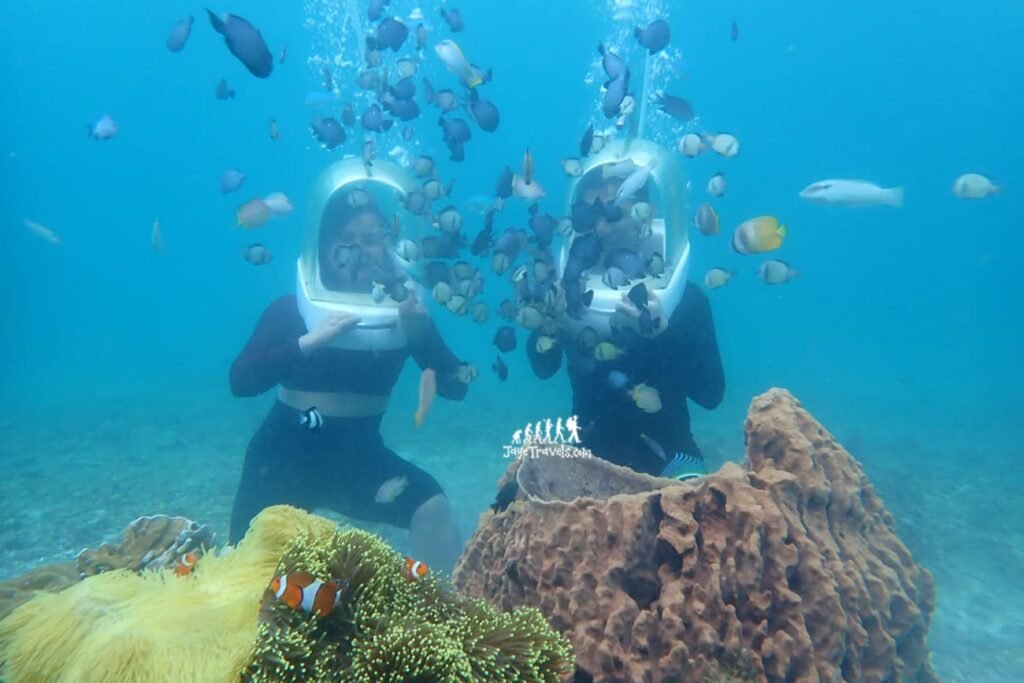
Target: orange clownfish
303	592
186	564
414	570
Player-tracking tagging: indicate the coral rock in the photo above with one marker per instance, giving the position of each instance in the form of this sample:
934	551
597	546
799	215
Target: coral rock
786	570
154	542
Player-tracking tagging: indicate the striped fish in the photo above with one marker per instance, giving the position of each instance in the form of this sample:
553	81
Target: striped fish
684	467
303	592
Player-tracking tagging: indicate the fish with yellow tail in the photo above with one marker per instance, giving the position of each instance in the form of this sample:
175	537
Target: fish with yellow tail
428	389
304	592
451	55
758	235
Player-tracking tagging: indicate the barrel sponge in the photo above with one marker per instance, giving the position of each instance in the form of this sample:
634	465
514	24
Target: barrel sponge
153	626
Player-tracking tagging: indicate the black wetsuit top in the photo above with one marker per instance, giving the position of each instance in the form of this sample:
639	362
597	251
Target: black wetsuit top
681	363
341	465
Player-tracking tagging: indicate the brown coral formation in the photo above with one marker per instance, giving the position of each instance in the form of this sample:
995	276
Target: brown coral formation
154	542
786	570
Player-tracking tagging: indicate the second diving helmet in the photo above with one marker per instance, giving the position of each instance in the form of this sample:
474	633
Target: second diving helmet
637	189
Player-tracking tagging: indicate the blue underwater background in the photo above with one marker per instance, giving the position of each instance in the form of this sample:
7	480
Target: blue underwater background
902	334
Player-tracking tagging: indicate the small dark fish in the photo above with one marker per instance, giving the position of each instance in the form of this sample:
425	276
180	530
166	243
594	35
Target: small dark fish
373	119
505	496
231	180
283	55
676	107
483	112
505	339
500	369
511	242
179	34
328	79
613	65
348	115
403	110
311	419
481	243
639	296
543	226
422	33
655	37
328	132
456	130
408	133
613	96
587	141
647	323
224	91
404	89
504	188
257	254
375	8
584	216
453	18
391	33
275	130
628	261
457	149
245	42
734	31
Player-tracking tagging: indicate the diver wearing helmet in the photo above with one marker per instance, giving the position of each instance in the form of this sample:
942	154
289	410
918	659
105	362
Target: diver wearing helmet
335	350
638	337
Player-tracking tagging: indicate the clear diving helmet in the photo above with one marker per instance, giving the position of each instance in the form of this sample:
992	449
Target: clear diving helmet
353	259
657	214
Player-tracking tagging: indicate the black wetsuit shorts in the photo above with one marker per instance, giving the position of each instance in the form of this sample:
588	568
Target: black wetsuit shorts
338	467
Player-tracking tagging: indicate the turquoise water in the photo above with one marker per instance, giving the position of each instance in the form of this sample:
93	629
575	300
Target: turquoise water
902	334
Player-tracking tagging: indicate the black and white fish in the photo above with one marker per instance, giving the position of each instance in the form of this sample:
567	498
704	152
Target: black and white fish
312	419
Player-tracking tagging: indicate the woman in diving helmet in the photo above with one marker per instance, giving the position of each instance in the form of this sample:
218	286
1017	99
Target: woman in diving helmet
631	377
320	445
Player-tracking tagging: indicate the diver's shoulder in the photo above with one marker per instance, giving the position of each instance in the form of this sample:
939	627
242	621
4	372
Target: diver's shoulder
283	307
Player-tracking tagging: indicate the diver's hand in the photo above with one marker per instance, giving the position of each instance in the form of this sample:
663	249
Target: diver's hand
414	318
466	373
326	330
628	315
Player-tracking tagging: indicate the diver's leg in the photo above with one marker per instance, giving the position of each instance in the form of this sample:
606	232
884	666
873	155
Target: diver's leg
435	534
273	473
416	501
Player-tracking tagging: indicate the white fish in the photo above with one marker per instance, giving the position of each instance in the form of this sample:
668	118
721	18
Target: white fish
717	185
974	186
278	203
391	489
852	193
44	232
572	167
690	145
524	190
724	144
717	277
775	272
633	183
451	54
